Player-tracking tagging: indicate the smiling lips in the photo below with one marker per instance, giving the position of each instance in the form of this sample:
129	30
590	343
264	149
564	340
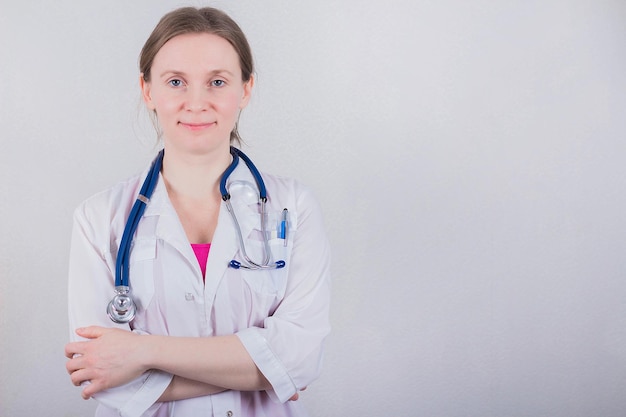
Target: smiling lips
196	126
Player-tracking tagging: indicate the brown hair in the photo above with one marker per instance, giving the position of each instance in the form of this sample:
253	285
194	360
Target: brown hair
198	20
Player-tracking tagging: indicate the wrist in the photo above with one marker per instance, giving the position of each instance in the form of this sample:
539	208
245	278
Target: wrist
146	351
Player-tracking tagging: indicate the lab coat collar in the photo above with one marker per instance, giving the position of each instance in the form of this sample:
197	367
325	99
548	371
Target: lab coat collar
225	242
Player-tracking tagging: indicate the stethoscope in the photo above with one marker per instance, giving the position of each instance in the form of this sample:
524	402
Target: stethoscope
122	308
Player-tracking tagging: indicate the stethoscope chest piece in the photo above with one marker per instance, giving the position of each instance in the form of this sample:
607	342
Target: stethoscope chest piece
121	308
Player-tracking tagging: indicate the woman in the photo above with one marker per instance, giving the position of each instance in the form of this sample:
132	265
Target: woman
207	339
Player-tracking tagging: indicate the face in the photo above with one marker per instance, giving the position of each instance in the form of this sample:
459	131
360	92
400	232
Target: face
197	92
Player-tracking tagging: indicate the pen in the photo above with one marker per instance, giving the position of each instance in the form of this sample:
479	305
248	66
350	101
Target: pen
284	227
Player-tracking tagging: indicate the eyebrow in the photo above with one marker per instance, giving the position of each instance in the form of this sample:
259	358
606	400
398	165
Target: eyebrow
182	73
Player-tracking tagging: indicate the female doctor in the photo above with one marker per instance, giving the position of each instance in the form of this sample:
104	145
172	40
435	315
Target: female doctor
207	338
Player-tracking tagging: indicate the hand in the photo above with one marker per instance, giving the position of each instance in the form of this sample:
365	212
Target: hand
110	358
296	396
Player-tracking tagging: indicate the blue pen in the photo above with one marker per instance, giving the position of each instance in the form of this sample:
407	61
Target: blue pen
284	227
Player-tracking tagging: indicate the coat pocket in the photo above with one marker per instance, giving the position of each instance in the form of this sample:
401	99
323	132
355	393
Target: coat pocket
267	281
141	272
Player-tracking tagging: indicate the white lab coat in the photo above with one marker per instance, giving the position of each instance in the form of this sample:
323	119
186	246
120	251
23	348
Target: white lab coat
280	316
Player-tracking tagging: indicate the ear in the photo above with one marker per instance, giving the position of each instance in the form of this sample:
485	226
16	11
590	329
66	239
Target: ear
247	92
145	92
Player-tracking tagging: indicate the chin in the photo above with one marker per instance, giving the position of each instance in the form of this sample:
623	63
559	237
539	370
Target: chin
199	146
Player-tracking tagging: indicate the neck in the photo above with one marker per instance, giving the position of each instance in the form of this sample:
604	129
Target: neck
195	176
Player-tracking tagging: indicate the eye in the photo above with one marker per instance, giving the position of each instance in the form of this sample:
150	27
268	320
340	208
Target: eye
218	83
175	82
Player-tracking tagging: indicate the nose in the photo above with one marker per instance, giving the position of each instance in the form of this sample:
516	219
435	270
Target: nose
197	100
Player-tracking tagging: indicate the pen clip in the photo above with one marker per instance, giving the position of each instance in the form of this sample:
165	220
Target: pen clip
284	227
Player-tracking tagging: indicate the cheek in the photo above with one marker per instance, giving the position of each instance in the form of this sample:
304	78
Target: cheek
166	105
232	102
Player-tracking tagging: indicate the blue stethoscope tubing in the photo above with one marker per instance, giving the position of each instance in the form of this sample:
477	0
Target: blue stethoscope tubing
122	308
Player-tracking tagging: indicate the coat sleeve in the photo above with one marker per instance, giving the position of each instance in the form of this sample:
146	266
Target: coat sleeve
288	348
90	288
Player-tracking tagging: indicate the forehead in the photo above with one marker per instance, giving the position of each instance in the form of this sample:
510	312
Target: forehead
200	51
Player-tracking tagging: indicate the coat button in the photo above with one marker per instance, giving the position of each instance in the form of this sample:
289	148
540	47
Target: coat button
229	414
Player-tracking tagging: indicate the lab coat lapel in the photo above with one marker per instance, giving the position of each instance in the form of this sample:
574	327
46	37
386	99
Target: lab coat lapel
168	226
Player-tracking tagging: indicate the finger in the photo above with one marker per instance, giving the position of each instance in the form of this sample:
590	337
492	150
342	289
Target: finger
73	365
84	394
90	332
92	388
294	397
74	348
80	376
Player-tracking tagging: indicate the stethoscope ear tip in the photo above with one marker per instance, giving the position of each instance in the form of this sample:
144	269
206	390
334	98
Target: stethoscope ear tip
236	265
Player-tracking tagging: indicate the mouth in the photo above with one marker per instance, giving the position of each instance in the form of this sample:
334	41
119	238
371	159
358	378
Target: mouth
196	126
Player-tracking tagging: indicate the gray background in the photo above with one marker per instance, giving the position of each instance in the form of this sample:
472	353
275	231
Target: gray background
468	155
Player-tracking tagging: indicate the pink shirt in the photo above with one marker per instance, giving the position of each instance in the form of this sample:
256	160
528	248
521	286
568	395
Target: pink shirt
202	253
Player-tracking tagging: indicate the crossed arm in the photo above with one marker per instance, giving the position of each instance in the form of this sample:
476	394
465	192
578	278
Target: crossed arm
113	357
